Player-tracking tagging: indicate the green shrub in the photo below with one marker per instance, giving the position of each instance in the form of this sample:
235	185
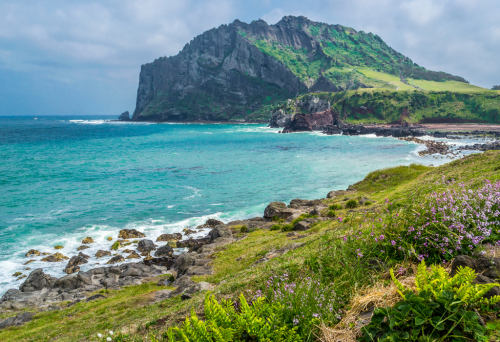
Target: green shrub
335	206
275	227
442	309
277	219
287	227
352	203
259	321
331	213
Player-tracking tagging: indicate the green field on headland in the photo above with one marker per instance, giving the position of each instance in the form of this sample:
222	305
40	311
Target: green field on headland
331	272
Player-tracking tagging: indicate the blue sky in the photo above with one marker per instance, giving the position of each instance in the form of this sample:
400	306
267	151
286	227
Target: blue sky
83	57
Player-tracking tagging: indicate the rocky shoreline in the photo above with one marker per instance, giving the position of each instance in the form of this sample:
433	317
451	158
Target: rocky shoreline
42	292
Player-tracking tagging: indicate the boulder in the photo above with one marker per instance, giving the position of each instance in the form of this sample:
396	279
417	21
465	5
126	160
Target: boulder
36	281
146	246
170	237
100	253
130	234
32	252
116	259
81	248
278	209
88	240
74	262
56	257
164	251
220	231
133	255
17	320
183	262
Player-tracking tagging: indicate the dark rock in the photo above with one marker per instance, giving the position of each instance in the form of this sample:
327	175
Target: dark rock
164	261
95	297
146	246
36	281
17	320
100	253
125	116
185	296
277	209
170	237
164	251
130	234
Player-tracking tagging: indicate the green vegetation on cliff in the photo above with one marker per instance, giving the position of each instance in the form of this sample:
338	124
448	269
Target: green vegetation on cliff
332	272
384	106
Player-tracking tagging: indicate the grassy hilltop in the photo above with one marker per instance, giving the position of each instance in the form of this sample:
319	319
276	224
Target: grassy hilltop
339	268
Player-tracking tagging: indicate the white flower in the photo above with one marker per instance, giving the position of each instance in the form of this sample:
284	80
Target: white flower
99	335
111	332
108	339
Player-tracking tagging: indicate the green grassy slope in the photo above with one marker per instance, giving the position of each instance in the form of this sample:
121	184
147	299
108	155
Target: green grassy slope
324	257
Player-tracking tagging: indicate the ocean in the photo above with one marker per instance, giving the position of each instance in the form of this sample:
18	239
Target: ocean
65	178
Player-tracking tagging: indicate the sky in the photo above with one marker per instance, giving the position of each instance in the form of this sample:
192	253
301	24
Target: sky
83	57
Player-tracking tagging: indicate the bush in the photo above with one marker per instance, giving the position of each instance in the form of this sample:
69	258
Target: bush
277	219
351	204
240	321
443	308
335	206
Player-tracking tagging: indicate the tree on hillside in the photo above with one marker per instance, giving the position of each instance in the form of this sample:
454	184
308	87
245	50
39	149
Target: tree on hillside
497	87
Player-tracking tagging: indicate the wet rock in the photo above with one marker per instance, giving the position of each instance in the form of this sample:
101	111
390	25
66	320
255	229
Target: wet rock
17	320
277	209
133	255
81	248
32	252
188	231
170	237
146	246
56	257
115	259
100	253
88	240
164	251
58	247
130	234
74	262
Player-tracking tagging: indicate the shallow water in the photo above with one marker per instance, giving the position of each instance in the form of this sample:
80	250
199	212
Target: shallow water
65	178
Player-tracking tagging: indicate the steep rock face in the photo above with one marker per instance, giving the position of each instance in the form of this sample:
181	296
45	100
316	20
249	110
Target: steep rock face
222	70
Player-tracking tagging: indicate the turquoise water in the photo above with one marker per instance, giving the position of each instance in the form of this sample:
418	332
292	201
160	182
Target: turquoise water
65	178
